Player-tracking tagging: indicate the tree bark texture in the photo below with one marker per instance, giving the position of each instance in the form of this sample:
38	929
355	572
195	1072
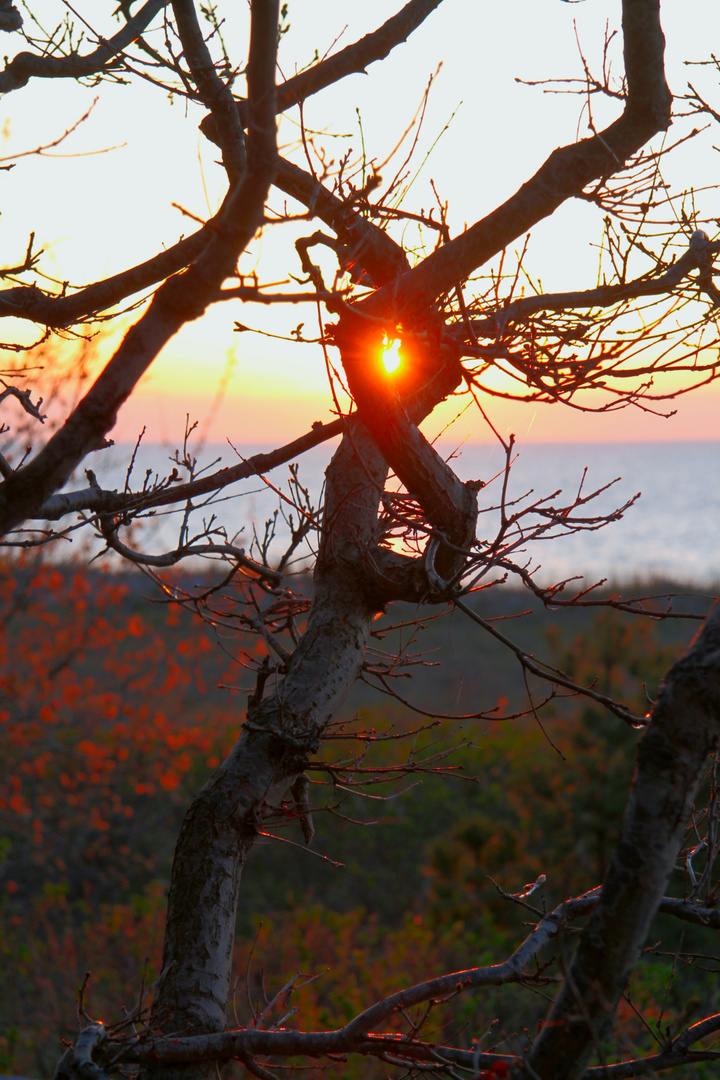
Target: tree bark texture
672	758
280	734
286	728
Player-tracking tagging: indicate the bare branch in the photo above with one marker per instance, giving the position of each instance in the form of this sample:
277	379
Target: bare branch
26	66
684	730
179	300
564	174
212	91
354	59
25	398
697	257
112	502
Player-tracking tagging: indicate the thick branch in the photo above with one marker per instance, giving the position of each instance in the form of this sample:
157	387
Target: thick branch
391	410
353	1035
565	173
221	823
408	300
29	302
213	92
671	759
26	65
280	734
698	257
357	1037
364	243
112	502
180	300
354	59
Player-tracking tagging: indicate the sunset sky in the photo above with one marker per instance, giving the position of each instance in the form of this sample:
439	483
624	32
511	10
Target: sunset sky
98	213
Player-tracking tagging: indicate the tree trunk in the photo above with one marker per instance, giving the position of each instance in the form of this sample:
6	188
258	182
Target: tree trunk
672	758
279	736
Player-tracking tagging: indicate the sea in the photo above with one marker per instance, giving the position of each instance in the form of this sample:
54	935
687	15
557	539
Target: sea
670	532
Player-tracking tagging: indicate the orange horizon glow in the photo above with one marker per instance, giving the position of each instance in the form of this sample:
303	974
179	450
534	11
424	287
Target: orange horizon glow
257	391
272	418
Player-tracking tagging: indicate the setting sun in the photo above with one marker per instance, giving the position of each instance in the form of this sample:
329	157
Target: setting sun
391	354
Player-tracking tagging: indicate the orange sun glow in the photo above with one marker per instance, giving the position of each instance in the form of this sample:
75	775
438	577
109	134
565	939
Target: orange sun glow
391	358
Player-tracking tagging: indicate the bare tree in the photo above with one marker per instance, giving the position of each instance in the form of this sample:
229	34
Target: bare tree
377	545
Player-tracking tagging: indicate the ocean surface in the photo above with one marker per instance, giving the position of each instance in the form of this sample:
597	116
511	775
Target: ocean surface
671	531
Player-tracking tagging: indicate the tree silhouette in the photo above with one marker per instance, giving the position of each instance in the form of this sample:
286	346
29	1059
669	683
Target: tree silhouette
377	545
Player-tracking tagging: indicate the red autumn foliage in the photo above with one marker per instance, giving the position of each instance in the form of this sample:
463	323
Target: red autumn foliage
79	736
95	783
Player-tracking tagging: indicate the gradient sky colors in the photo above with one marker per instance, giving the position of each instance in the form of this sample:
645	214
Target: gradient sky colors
99	212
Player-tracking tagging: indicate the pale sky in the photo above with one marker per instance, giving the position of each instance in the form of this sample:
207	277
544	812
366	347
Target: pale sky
99	214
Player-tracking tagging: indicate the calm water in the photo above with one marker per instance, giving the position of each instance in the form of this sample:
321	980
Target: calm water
673	530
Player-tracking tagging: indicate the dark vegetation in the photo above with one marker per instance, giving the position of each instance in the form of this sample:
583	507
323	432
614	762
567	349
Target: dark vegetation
115	711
